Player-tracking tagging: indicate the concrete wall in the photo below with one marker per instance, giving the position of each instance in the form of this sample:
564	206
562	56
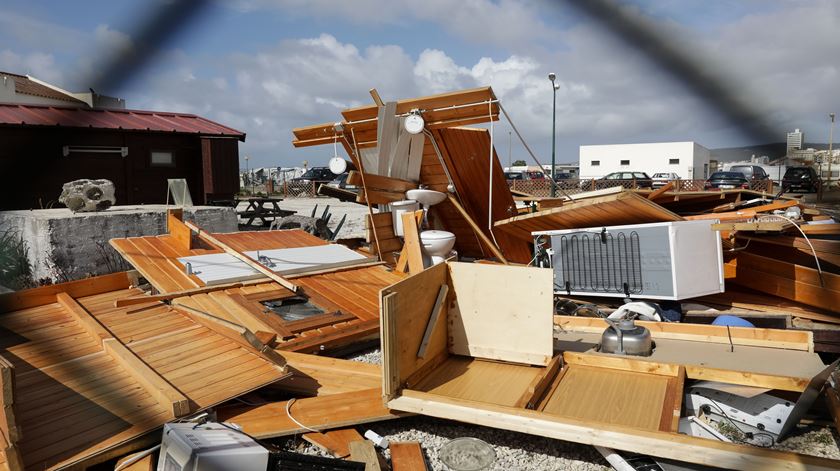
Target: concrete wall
65	246
649	158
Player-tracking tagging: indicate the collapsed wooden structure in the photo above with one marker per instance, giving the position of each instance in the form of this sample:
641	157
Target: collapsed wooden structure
490	361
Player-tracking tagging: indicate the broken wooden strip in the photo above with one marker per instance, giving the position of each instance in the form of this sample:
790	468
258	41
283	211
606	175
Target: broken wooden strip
407	456
440	304
759	226
789	339
620	363
745	213
248	261
334	442
665	188
672	405
492	246
538	386
320	413
413	246
42	295
380	182
363	451
160	389
147	298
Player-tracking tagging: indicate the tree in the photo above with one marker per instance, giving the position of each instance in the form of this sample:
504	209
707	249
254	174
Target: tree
518	163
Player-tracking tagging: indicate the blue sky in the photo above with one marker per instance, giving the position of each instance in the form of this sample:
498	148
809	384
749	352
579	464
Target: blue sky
266	66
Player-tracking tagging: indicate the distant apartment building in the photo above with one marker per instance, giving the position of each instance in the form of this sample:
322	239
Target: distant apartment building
688	160
795	140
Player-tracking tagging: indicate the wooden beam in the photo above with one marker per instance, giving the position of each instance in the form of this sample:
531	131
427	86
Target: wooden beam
164	393
620	363
440	305
531	397
150	298
46	294
244	258
477	230
760	226
376	98
656	193
374	196
745	213
411	256
380	182
662	444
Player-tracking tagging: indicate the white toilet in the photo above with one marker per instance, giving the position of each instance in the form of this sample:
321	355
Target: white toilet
437	246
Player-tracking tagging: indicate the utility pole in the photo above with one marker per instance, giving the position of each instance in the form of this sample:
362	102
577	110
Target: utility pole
554	87
830	140
510	149
248	174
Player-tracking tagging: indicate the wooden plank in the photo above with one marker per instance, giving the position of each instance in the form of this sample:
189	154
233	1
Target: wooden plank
486	321
412	247
760	226
492	246
407	456
323	412
363	451
745	213
334	442
623	363
789	281
158	387
248	261
437	309
379	197
149	298
672	405
381	182
40	296
662	444
538	386
180	234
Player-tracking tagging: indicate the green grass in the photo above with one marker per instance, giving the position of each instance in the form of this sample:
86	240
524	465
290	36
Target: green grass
15	269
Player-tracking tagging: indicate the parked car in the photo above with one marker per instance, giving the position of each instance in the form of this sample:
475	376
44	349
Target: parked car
727	181
661	179
317	175
535	175
803	179
515	176
340	181
642	179
562	176
752	172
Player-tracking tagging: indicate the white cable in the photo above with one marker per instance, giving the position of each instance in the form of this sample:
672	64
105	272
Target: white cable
816	259
139	456
289	414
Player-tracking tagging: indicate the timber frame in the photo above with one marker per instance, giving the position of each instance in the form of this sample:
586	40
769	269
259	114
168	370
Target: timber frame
503	385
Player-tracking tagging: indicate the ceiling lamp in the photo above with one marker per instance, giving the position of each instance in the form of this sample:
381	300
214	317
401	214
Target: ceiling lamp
414	123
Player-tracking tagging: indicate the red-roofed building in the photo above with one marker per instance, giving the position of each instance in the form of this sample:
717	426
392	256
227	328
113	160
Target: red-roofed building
44	145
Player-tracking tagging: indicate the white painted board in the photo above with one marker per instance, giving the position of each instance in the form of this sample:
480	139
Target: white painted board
502	312
223	268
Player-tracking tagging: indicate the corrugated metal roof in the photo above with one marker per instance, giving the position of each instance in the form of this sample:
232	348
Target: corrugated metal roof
26	86
128	120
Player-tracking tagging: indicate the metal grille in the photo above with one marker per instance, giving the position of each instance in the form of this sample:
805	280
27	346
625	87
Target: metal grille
599	262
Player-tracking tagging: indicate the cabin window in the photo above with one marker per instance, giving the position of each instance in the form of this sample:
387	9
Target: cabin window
674	161
162	159
596	163
625	162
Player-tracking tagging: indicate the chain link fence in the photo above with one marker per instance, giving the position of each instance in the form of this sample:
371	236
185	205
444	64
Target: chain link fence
542	187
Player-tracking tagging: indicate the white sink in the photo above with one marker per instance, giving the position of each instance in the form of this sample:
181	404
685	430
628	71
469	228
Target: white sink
425	197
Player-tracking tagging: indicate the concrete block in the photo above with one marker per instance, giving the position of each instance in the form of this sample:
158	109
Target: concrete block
66	246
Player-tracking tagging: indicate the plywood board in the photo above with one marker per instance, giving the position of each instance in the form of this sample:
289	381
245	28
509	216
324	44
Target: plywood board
501	312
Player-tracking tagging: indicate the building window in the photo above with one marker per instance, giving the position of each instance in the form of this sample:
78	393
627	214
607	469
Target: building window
596	163
162	159
674	161
625	162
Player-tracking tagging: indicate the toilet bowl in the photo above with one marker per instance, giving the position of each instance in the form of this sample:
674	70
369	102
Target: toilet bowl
437	245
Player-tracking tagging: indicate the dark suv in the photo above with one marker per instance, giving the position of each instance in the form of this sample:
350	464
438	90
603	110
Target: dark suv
317	175
803	179
752	172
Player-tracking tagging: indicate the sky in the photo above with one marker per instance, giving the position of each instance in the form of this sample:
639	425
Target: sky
267	66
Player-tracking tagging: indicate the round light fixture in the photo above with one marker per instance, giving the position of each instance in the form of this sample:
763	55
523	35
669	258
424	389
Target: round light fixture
414	124
338	165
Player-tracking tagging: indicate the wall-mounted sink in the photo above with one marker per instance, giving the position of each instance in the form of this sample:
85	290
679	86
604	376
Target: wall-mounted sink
425	197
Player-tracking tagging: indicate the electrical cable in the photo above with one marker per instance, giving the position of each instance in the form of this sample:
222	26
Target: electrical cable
813	251
289	414
746	434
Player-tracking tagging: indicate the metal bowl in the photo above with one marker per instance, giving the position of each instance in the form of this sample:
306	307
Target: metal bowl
467	454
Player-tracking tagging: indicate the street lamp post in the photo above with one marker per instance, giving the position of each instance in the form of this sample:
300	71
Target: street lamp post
248	174
554	87
830	140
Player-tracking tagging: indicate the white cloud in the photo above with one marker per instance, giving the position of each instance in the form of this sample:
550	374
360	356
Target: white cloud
36	64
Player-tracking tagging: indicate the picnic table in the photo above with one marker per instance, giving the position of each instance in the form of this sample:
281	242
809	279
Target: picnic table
263	208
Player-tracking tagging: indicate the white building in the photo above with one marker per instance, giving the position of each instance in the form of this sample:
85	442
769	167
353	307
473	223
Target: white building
795	140
689	160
